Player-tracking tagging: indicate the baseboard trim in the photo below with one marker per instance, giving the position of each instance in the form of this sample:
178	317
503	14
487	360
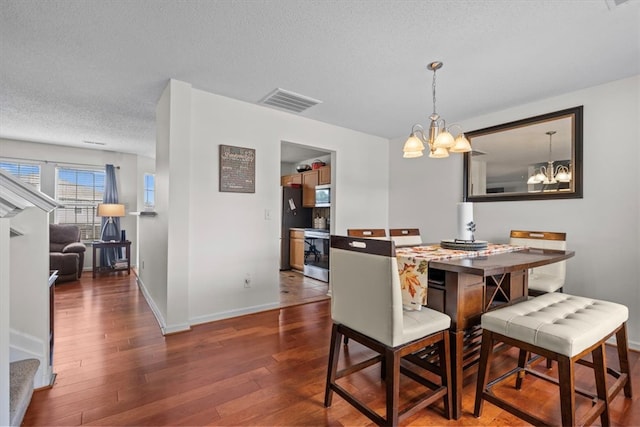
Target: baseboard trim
233	313
164	328
151	303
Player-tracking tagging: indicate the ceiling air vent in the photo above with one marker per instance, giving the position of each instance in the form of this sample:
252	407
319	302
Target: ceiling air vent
289	101
94	143
614	3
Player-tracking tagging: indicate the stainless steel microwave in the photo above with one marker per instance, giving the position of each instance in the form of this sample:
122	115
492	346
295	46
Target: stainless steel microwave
323	196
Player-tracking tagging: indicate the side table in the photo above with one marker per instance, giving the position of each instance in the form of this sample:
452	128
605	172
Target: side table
111	244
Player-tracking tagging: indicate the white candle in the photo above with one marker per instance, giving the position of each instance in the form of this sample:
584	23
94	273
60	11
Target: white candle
465	216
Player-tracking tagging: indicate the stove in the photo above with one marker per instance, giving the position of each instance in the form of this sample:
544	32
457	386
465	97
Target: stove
316	253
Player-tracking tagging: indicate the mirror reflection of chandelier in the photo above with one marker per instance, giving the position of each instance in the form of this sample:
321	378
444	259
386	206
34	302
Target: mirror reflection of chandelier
547	174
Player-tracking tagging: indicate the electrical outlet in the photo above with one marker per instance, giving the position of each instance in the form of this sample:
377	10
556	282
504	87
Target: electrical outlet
143	265
247	281
267	214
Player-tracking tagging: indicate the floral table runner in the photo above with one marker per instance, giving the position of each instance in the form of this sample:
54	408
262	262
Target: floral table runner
413	263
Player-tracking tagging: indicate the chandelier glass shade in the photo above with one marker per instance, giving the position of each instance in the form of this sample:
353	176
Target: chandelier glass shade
438	138
549	174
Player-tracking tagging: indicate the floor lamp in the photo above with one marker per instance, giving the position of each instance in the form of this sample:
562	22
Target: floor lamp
109	210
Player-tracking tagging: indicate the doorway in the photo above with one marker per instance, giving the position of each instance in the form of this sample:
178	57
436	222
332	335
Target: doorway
296	288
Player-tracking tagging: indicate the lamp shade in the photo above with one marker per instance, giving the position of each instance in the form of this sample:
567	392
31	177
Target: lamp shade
439	153
533	179
412	154
413	147
462	145
444	140
110	209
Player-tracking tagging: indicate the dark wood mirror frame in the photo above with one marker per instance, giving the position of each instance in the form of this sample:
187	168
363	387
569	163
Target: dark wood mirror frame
520	135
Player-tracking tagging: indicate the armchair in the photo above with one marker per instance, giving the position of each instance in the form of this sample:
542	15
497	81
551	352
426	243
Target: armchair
66	251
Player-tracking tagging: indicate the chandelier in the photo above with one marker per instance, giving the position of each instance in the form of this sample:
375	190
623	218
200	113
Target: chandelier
547	174
439	138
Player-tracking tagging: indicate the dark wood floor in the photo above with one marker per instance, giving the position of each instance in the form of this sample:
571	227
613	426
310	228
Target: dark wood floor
115	368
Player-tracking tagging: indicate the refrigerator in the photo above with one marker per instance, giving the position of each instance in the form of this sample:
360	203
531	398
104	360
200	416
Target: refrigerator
293	216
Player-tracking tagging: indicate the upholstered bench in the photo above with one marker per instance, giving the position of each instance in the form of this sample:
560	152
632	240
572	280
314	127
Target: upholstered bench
563	328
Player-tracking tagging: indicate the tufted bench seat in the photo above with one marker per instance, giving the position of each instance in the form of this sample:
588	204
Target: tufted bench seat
564	328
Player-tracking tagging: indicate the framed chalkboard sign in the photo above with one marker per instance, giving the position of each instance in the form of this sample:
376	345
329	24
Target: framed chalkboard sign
237	169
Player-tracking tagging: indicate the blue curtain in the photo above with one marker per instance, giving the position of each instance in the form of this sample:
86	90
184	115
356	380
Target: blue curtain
112	230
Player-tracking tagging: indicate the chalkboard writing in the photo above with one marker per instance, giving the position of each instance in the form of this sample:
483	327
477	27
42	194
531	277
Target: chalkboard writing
237	169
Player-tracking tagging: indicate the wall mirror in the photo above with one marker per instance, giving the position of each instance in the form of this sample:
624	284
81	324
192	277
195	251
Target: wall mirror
531	159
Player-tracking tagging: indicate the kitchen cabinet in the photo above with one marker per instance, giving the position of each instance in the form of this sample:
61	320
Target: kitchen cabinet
296	249
324	175
309	182
296	178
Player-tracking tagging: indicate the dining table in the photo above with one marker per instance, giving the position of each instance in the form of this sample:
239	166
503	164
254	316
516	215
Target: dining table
464	285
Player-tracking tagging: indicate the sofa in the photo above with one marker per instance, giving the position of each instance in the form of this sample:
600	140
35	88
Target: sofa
66	251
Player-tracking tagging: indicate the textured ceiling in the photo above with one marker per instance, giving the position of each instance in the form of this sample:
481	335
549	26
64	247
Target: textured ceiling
74	71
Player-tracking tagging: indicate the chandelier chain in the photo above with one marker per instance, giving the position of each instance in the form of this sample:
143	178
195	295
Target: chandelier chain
433	90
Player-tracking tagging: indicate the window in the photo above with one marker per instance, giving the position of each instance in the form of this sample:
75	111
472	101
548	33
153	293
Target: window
80	191
25	172
149	191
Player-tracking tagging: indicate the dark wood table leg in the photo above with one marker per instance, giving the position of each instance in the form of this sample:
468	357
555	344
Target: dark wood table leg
457	376
128	252
94	267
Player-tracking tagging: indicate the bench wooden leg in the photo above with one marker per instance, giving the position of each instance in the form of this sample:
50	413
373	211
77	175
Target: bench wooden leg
565	381
600	371
567	391
623	357
523	358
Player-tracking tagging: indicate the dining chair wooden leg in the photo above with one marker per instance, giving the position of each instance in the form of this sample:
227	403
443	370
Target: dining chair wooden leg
333	364
392	382
486	355
445	373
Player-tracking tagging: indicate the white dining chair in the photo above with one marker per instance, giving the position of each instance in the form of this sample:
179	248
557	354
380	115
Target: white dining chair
369	233
366	306
405	236
548	278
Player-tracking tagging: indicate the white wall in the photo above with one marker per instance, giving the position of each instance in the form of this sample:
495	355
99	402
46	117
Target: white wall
228	235
178	209
145	165
29	321
152	235
5	306
602	228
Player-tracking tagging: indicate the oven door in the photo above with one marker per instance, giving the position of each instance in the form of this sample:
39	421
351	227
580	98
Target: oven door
316	255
